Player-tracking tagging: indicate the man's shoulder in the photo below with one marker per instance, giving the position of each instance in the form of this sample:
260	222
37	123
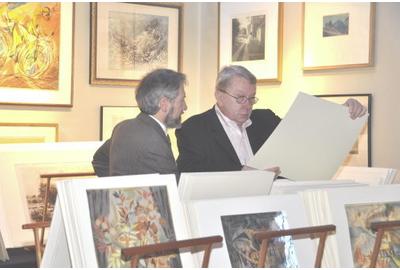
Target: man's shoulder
199	119
263	114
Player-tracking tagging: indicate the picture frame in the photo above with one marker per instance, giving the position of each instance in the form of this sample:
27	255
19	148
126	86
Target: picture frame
43	74
361	153
258	49
338	35
28	133
157	44
110	116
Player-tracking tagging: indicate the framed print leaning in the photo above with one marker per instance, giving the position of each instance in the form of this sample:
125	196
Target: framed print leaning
28	133
360	154
36	53
250	35
129	40
337	35
110	116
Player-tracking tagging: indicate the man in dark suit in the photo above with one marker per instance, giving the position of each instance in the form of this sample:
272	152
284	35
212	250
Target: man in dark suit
141	145
225	137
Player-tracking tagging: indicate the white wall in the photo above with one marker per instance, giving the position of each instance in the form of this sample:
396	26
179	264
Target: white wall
200	52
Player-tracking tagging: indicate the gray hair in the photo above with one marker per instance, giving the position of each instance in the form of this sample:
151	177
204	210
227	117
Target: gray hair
228	72
155	85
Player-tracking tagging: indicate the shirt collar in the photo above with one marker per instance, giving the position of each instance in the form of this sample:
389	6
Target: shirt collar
230	122
164	128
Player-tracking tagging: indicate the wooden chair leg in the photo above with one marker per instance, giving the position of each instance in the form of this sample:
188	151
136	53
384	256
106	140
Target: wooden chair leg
206	256
377	247
38	247
263	253
320	251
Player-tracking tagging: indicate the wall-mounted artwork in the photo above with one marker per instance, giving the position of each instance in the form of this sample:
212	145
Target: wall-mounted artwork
110	116
129	40
250	34
28	132
362	238
338	35
36	53
360	154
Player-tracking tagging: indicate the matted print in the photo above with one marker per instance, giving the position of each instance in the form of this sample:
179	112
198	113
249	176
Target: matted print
28	132
36	53
130	217
244	250
110	116
359	217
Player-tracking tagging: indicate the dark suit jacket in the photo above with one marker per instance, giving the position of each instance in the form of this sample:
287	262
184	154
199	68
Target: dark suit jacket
204	146
140	146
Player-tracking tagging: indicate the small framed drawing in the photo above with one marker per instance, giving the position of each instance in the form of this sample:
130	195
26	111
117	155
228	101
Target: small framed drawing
360	154
250	35
28	133
337	35
110	116
36	53
128	40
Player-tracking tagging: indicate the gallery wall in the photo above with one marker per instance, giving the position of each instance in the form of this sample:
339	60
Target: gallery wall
199	63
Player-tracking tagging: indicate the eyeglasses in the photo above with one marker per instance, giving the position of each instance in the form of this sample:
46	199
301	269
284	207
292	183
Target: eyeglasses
242	99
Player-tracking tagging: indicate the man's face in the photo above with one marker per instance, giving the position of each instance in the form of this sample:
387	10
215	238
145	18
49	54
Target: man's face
228	105
178	106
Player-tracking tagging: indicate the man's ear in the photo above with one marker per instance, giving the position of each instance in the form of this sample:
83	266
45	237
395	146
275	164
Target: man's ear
164	104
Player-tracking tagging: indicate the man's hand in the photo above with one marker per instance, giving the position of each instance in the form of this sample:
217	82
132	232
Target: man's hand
275	170
355	108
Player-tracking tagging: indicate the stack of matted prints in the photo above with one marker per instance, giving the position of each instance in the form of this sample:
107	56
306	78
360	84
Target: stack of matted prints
352	210
95	218
22	191
368	175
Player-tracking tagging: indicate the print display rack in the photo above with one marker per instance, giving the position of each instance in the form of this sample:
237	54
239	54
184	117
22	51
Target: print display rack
134	253
36	227
320	232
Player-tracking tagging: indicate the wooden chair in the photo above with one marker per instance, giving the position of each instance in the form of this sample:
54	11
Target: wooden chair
320	232
380	228
134	253
40	227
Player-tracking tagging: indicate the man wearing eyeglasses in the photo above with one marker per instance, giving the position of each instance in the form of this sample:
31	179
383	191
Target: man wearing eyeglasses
225	137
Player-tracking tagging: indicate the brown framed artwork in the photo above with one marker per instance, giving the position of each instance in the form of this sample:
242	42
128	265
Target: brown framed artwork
36	53
28	132
110	116
130	39
338	35
250	35
360	154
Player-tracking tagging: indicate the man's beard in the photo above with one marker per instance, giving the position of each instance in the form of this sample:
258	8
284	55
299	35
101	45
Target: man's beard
171	122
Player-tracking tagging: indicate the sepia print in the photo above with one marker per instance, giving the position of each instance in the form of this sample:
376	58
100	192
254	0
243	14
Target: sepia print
137	41
248	38
33	187
130	217
29	45
359	217
336	25
244	250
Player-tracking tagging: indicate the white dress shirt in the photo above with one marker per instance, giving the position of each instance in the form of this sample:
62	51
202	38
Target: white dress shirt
237	136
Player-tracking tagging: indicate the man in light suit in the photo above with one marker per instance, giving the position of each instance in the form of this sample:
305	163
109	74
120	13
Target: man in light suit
141	145
225	137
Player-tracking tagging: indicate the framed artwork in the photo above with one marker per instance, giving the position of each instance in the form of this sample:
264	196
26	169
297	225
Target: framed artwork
28	133
110	116
337	35
360	154
250	35
36	53
129	40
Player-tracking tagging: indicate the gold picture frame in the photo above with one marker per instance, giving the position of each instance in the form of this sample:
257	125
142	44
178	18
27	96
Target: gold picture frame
338	35
361	153
250	35
110	116
130	39
28	132
36	53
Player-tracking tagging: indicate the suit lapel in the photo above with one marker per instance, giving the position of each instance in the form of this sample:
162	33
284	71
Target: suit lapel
221	138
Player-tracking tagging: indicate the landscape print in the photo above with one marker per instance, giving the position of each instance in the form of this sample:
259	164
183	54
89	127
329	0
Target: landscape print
137	41
335	25
359	217
248	38
29	45
244	250
131	217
